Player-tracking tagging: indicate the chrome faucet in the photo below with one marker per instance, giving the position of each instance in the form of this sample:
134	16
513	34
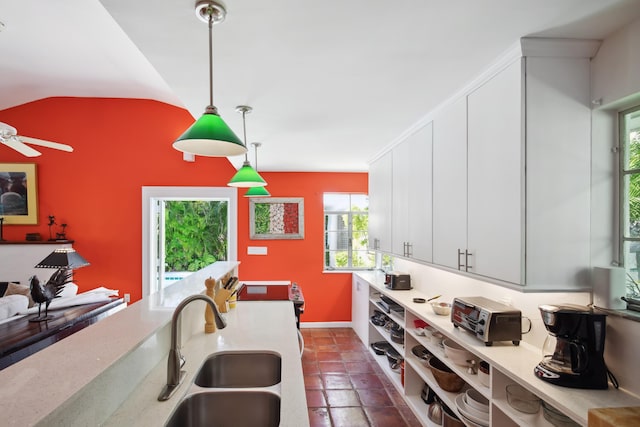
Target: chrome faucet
175	360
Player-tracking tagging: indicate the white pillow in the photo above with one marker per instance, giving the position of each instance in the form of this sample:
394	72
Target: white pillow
12	305
69	290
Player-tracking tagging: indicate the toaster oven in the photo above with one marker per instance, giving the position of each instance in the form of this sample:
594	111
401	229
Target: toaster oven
488	320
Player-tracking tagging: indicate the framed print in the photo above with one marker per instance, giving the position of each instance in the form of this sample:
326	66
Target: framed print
18	193
276	218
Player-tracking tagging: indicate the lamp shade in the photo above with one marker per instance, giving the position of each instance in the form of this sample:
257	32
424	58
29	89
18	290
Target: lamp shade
210	136
63	258
247	177
257	192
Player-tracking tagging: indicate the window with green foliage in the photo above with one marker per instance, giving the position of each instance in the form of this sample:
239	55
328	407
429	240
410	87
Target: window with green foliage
195	234
346	220
630	197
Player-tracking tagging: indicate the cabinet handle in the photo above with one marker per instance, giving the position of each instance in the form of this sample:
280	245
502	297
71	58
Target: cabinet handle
460	265
376	243
466	260
409	249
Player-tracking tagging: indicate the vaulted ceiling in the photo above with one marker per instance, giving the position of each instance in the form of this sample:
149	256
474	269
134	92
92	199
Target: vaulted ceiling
331	82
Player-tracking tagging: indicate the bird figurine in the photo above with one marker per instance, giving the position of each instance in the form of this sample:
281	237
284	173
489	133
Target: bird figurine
52	289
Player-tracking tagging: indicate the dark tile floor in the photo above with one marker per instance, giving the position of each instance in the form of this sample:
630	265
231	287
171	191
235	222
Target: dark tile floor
345	386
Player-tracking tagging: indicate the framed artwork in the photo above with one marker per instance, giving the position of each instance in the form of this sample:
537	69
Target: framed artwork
18	193
276	218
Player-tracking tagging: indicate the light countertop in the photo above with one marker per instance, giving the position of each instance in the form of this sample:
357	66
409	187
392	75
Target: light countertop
108	372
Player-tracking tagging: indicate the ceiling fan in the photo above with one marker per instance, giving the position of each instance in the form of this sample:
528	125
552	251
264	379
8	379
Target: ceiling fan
9	137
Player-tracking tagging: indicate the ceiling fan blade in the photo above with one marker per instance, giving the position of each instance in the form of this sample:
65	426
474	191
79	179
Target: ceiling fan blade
20	147
48	144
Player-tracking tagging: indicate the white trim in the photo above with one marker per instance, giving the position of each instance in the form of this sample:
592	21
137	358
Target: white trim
150	193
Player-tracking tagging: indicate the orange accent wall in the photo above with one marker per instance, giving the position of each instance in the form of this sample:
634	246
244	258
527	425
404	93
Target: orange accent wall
121	145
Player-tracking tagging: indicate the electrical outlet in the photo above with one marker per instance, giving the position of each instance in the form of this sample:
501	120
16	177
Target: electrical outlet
127	298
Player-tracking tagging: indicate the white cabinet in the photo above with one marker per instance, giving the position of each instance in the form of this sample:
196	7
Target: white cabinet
360	308
380	203
450	183
528	174
495	177
411	216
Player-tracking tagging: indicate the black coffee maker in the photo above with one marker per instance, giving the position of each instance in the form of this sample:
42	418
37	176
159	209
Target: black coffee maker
574	351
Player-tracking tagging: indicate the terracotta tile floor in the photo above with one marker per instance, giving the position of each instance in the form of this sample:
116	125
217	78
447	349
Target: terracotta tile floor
345	386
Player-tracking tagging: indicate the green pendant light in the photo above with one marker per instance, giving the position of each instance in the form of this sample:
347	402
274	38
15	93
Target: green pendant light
257	191
210	135
246	175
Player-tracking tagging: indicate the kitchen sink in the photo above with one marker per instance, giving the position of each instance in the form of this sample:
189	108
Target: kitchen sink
237	408
240	369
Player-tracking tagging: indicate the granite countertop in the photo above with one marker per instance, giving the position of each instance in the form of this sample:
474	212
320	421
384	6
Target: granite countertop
112	372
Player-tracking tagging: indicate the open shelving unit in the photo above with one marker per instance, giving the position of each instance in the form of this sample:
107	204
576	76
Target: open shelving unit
508	364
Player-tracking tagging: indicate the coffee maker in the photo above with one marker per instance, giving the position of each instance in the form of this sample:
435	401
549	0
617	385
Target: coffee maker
574	351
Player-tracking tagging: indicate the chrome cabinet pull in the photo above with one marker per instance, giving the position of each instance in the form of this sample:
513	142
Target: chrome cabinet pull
466	260
460	265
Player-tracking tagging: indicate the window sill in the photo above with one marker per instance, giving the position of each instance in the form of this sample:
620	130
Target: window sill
626	314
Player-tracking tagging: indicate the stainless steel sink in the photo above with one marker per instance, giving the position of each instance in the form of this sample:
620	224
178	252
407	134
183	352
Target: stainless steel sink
237	408
240	369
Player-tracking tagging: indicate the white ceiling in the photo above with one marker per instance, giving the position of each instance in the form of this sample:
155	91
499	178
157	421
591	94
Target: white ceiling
331	83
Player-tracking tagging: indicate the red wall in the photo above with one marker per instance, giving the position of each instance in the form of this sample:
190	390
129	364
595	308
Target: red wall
121	145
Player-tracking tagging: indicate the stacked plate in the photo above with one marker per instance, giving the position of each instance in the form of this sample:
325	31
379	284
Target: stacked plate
474	408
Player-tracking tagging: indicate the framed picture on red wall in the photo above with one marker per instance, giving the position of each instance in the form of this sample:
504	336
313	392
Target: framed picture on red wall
18	193
276	218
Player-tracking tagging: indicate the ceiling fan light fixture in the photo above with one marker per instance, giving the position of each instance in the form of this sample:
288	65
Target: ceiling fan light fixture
210	135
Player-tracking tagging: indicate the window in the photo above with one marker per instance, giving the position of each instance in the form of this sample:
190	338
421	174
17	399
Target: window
630	197
199	210
346	220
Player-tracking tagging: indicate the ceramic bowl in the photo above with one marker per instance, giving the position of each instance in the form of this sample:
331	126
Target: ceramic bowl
457	353
474	399
441	308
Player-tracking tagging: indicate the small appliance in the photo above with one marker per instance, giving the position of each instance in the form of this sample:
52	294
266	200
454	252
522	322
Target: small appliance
488	320
574	351
397	281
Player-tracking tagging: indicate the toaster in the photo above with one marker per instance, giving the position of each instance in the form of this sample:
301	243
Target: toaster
397	281
488	320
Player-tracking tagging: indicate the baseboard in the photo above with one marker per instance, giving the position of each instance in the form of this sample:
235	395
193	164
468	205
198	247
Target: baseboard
315	325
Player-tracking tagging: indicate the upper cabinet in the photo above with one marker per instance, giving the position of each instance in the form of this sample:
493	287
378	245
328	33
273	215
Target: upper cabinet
380	203
508	180
412	196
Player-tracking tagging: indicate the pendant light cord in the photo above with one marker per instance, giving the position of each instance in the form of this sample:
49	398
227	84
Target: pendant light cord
211	57
244	131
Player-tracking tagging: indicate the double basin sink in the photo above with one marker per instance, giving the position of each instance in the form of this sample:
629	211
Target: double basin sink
233	388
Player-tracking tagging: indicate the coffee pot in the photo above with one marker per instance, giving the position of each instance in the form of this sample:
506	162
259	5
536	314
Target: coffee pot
573	353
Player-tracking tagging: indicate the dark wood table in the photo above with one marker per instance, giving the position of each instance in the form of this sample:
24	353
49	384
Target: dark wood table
21	338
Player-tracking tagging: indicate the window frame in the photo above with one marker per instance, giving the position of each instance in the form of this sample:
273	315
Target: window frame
623	205
350	214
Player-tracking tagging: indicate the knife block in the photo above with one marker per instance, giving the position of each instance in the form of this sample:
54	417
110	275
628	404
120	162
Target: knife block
222	295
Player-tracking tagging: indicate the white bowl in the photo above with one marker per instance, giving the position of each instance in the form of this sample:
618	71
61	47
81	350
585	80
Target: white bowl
441	308
471	413
456	353
476	400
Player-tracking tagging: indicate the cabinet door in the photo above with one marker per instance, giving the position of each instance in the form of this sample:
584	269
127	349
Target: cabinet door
495	176
412	196
380	204
360	308
420	213
400	197
450	183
